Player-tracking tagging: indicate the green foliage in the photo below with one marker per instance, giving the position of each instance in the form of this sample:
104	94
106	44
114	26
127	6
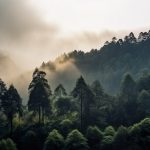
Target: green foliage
7	144
60	91
127	102
30	141
121	139
94	136
66	126
128	89
140	134
54	141
98	92
64	105
109	131
85	98
11	104
108	138
144	103
39	93
3	89
144	83
107	142
76	141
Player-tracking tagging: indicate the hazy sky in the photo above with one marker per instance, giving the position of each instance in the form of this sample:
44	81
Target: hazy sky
96	15
32	31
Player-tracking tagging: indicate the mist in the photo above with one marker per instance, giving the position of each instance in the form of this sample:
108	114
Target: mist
29	40
26	40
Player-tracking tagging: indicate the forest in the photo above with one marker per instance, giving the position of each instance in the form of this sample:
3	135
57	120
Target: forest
112	112
107	64
87	118
74	74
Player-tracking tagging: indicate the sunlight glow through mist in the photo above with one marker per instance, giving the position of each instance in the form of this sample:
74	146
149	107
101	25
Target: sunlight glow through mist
34	31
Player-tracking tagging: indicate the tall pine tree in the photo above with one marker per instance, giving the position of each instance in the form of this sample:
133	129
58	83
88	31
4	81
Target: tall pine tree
11	104
39	95
85	98
60	91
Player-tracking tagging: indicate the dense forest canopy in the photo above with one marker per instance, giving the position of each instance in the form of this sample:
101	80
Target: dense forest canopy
107	64
87	116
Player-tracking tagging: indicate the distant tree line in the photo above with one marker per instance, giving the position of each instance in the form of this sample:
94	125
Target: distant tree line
108	63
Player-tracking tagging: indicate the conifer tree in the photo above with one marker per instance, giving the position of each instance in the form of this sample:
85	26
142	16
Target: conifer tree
85	98
39	95
11	104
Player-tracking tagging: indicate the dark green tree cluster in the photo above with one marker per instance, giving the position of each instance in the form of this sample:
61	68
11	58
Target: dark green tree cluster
86	118
39	95
135	137
10	103
109	63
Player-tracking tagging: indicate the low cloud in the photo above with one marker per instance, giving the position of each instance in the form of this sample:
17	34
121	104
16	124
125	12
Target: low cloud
29	40
19	20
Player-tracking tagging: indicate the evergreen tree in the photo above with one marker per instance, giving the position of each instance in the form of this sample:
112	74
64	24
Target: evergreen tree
85	98
7	144
139	135
54	141
3	90
12	104
109	131
108	138
127	104
60	91
121	139
30	141
76	141
94	136
98	91
64	105
144	83
128	88
143	104
39	95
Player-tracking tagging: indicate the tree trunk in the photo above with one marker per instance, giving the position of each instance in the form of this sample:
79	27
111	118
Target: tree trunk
11	126
39	115
43	115
81	111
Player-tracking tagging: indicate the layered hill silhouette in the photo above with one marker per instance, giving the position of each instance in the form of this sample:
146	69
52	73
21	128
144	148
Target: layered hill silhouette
107	64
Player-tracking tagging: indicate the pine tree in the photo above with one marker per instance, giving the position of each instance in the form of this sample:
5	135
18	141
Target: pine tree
127	105
60	91
7	144
98	92
76	141
39	95
54	141
12	104
85	98
3	90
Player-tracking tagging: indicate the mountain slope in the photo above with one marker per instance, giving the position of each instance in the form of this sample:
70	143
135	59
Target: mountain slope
108	64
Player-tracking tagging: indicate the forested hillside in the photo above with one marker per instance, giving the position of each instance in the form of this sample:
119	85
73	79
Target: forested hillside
107	64
86	116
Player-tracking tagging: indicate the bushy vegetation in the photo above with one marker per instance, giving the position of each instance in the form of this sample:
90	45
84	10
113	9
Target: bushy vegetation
87	118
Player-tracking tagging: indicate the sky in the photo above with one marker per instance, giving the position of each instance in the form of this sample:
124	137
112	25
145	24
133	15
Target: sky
33	31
